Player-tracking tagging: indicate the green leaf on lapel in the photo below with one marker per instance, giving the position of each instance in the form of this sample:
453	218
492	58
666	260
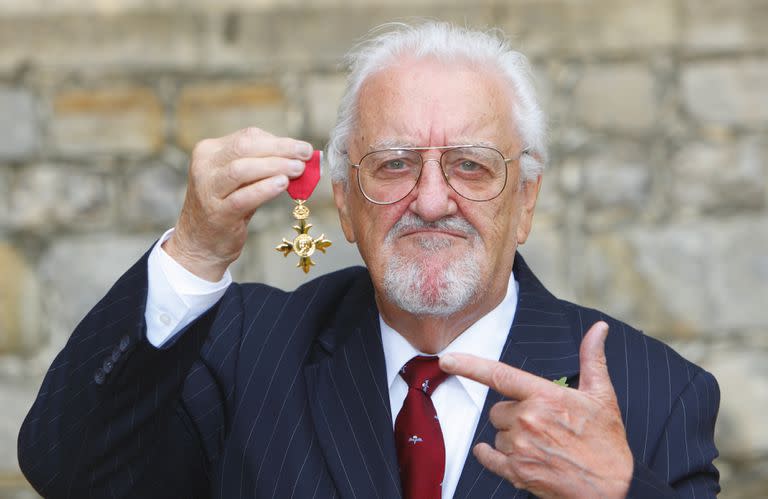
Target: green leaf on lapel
562	381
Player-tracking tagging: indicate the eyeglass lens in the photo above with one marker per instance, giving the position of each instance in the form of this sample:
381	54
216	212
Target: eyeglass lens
476	173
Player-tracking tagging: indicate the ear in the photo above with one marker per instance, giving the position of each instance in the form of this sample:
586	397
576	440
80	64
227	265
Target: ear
529	193
341	198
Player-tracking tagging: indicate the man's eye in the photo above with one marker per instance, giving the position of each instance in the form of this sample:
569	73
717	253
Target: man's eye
395	164
469	166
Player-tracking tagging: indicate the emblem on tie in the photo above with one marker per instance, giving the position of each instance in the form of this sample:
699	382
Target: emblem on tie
415	439
425	386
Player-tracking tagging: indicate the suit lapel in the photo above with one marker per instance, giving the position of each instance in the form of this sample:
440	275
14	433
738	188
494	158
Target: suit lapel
349	401
541	341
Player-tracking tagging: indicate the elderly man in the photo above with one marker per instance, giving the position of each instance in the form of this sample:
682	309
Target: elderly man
427	374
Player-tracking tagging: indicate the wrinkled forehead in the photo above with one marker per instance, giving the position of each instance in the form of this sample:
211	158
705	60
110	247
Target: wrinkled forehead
433	103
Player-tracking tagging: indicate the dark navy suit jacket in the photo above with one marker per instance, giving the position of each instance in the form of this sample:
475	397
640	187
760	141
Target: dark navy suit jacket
284	395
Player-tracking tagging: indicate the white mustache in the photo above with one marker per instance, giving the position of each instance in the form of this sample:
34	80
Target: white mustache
410	221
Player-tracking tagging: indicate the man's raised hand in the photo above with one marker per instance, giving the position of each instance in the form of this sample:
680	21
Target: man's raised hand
554	441
229	178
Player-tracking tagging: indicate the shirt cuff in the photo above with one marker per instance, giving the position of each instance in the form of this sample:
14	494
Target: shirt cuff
176	296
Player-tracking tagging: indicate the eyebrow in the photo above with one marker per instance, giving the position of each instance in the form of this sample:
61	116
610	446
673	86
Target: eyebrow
400	144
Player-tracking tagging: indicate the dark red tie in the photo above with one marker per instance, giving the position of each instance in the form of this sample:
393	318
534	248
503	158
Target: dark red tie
418	438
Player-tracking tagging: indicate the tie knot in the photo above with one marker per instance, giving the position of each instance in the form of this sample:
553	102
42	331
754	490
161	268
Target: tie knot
423	373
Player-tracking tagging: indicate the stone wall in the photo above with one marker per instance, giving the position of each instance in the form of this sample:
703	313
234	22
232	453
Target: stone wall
654	208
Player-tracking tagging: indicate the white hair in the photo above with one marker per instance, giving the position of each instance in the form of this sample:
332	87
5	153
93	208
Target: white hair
448	43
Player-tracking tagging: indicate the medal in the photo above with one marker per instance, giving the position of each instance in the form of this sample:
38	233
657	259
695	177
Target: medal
300	189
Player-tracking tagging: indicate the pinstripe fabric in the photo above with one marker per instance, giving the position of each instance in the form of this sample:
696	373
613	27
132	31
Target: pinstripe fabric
284	395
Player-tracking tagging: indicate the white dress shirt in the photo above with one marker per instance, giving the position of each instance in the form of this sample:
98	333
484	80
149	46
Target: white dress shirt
458	401
177	297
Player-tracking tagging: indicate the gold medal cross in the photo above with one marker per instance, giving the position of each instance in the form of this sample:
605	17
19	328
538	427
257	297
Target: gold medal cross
303	244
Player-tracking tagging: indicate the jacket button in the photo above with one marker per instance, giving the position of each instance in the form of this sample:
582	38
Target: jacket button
125	341
99	377
108	365
115	355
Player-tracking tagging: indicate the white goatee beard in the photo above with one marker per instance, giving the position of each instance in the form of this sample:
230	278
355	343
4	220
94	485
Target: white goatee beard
412	285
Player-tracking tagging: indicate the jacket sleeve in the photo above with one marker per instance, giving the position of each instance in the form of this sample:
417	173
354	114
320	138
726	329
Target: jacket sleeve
682	465
109	420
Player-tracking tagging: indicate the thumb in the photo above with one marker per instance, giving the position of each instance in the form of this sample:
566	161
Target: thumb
592	363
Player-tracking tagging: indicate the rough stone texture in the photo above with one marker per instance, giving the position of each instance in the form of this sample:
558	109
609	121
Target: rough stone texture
277	40
744	480
615	97
624	25
153	197
51	196
718	176
19	125
654	208
5	193
724	25
727	93
218	109
323	94
76	272
743	378
686	280
18	301
148	39
107	120
545	251
17	396
616	184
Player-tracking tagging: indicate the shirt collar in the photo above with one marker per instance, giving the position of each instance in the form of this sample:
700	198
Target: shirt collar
485	338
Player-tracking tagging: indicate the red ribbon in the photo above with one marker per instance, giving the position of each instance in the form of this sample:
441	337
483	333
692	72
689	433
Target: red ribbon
302	187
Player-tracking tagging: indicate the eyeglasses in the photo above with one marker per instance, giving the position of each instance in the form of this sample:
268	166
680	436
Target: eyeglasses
477	173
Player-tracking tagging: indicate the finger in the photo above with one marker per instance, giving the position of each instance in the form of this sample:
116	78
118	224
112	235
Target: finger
593	375
495	461
502	414
248	198
244	171
507	380
258	144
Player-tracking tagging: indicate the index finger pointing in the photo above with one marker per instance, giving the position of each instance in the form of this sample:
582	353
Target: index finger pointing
505	379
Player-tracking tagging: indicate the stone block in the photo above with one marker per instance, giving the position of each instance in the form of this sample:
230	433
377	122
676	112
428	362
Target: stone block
215	109
616	97
549	205
720	176
545	253
5	193
17	396
689	280
608	186
76	272
50	196
617	176
724	25
153	197
741	433
95	38
298	37
107	120
19	123
727	93
323	94
19	303
590	26
743	480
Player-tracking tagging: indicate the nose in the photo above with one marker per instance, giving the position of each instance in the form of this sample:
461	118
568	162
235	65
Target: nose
434	198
